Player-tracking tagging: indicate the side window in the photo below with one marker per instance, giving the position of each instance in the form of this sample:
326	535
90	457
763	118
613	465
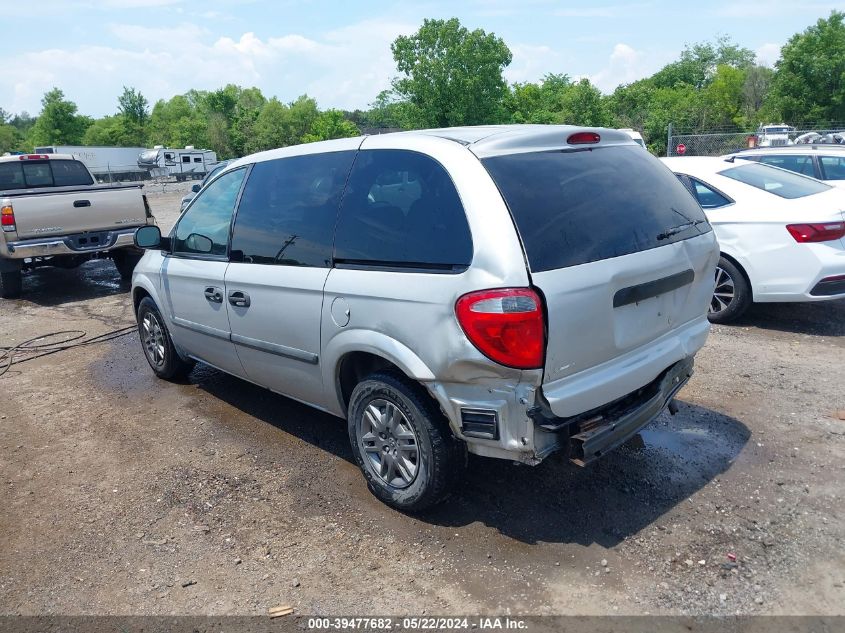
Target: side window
797	163
288	210
186	159
68	173
833	167
707	197
197	159
401	209
204	228
11	175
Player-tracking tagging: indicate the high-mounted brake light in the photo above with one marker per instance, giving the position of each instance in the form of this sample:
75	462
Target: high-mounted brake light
34	157
7	218
506	325
819	232
583	138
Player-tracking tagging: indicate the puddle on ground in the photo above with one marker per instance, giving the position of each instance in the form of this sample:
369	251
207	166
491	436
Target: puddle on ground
675	440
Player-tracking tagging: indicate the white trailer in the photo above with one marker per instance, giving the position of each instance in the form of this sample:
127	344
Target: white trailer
107	164
185	164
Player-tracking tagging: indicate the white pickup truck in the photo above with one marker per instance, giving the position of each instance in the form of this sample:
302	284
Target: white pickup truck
52	214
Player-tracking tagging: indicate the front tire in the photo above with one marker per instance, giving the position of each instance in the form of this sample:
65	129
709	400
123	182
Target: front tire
157	344
732	294
402	443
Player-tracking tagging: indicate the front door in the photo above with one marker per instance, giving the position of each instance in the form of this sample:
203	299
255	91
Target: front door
280	258
193	275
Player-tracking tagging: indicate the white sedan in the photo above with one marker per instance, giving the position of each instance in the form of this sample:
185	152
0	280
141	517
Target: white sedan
782	235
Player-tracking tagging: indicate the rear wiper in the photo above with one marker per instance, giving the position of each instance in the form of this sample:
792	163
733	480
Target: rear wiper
678	229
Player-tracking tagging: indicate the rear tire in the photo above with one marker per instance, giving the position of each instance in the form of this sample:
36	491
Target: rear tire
157	344
392	420
125	261
732	295
11	284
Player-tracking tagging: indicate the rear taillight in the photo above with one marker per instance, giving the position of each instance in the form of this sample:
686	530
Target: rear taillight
506	325
820	232
7	218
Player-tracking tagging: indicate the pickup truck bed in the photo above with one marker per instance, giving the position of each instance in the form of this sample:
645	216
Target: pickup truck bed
65	221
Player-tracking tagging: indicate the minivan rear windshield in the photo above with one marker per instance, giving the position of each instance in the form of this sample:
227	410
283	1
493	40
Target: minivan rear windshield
780	182
578	206
30	174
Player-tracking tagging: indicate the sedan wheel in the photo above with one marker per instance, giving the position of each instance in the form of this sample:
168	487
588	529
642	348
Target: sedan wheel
724	293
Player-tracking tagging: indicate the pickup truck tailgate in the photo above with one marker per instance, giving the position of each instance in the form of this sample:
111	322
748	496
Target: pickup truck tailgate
66	212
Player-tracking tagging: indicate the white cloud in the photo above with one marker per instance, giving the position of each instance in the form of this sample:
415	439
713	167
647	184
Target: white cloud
625	65
344	68
531	63
768	54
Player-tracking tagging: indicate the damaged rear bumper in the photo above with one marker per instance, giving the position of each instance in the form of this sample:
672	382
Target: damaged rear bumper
596	432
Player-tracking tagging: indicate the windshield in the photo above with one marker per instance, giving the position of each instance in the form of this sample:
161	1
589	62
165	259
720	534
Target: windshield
780	182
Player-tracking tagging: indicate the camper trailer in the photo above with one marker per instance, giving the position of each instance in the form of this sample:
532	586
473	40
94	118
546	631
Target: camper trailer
185	164
107	164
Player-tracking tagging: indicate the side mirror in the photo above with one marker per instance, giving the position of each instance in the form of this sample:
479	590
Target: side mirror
197	243
196	188
148	237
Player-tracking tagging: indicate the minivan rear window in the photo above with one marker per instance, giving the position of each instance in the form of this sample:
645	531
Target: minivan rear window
573	207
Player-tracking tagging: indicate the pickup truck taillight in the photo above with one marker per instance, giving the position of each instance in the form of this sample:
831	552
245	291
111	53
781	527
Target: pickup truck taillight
7	218
506	325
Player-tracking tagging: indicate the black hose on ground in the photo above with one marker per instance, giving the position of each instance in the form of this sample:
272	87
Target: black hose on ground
41	345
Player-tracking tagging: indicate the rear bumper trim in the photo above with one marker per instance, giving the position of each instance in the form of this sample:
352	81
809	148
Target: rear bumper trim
829	286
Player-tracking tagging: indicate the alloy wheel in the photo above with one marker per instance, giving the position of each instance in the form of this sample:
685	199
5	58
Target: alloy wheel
724	292
389	444
153	339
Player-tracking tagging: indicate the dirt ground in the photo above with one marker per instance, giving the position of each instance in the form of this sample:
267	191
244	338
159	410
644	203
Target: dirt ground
123	494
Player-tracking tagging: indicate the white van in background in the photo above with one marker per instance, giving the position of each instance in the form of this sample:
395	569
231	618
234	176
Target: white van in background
636	136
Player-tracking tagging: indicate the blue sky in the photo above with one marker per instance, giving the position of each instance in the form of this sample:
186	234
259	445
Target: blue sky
339	52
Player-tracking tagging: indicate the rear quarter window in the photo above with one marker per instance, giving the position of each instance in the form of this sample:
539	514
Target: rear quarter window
401	209
573	207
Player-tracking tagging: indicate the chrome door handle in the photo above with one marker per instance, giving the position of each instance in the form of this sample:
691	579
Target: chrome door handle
239	299
215	295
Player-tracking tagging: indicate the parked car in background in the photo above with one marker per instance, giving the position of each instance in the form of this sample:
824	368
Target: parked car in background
52	214
823	162
525	289
635	136
195	188
782	235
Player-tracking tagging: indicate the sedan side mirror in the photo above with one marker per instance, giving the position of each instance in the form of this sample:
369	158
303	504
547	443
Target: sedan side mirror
196	188
148	237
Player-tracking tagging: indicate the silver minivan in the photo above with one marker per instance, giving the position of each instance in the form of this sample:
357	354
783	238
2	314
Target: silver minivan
508	291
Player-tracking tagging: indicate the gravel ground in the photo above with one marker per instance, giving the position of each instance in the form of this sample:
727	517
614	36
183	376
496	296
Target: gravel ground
123	494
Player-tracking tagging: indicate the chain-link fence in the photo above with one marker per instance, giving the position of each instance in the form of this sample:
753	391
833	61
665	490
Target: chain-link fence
719	143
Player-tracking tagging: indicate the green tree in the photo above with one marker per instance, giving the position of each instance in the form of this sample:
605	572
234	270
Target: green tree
10	139
698	63
809	82
451	75
583	104
269	130
248	107
177	123
58	123
133	106
328	125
